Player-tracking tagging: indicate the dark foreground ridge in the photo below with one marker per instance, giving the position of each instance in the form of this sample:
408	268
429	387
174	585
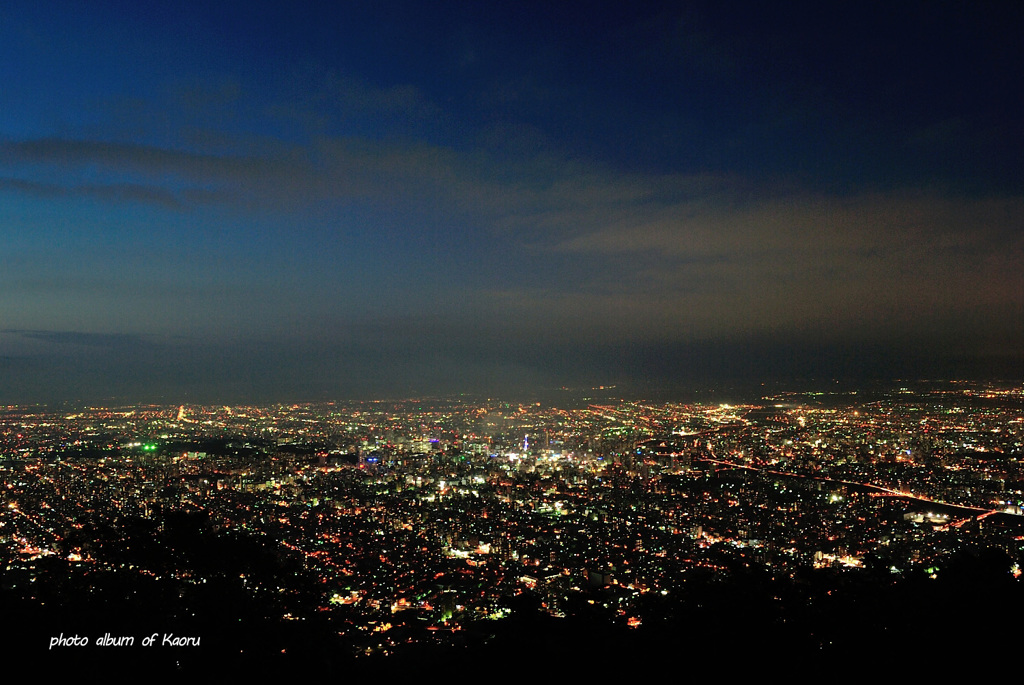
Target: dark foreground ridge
746	623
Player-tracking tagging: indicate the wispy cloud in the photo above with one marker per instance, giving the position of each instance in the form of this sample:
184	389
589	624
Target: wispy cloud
139	157
718	265
118	193
84	339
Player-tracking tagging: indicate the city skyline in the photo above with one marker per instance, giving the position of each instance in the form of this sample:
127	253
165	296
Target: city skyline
261	201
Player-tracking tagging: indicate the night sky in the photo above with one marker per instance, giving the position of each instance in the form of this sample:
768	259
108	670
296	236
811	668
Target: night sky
258	201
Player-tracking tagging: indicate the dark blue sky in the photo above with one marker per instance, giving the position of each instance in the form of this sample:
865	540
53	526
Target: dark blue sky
267	200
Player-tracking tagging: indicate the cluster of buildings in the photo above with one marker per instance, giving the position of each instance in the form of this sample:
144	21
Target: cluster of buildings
409	522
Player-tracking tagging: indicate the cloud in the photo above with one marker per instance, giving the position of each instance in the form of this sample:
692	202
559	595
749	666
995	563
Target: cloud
117	193
144	158
728	263
83	339
167	178
294	177
624	256
723	223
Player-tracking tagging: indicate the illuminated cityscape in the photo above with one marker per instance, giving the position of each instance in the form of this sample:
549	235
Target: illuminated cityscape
387	532
601	342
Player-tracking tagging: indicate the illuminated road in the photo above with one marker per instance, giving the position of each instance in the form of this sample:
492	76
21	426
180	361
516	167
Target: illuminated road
883	491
